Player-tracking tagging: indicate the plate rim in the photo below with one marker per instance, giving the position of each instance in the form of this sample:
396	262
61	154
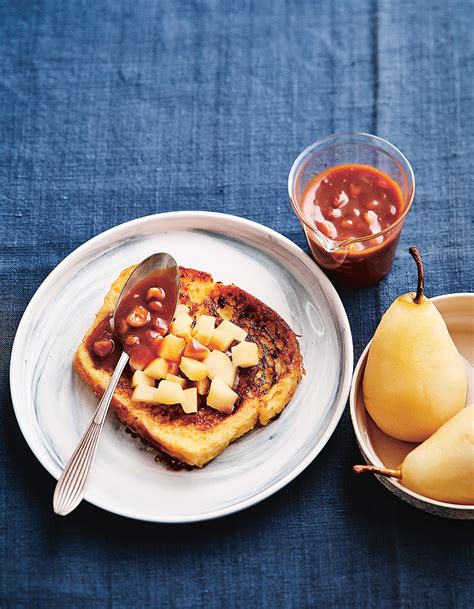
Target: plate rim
292	248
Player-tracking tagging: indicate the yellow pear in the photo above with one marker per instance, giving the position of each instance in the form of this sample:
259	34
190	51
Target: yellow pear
442	467
414	379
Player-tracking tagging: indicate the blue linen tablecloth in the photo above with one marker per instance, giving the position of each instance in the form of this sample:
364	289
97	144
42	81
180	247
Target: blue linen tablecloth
111	110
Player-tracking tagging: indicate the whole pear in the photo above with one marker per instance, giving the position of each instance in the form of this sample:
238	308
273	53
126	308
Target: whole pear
414	379
442	467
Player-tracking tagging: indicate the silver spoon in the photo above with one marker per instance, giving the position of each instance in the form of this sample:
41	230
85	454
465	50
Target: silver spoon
69	490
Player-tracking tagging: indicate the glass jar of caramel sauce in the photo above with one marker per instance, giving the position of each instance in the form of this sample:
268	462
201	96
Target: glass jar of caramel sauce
352	193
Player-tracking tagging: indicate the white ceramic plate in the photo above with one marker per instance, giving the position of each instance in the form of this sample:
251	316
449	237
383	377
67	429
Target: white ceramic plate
53	406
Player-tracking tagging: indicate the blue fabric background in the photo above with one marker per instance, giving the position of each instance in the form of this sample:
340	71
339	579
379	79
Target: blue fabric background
111	110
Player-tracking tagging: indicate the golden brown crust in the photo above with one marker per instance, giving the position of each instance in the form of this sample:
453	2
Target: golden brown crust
263	390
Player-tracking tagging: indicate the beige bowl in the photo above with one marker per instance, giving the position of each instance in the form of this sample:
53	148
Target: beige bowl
381	450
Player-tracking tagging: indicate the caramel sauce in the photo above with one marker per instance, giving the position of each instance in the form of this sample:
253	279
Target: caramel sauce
141	321
103	331
352	202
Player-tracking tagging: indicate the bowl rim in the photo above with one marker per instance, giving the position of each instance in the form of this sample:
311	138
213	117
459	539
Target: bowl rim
369	454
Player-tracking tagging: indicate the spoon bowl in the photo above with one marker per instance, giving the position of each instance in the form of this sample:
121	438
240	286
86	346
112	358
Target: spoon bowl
153	263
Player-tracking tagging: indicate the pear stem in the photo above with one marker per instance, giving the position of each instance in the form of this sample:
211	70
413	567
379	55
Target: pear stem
421	274
382	471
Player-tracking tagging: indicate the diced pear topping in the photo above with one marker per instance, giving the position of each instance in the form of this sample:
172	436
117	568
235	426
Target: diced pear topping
171	348
190	400
221	340
196	350
184	318
204	329
176	379
140	378
194	370
237	333
203	386
182	325
147	394
245	355
157	369
169	392
181	308
221	396
199	353
219	363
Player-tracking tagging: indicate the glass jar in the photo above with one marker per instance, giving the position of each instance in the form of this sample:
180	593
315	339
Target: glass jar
361	261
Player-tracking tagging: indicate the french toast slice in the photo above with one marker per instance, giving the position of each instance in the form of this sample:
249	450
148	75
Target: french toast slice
263	390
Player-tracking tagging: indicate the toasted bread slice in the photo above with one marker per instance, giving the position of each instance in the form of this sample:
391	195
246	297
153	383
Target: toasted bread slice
264	390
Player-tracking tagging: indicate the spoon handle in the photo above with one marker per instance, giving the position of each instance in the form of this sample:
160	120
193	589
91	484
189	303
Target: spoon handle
69	489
